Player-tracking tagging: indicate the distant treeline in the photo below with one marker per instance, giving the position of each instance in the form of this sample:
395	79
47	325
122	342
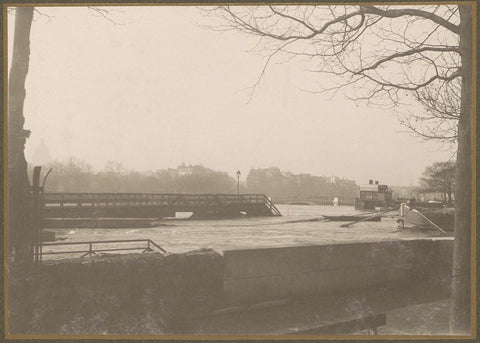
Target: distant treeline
77	176
74	175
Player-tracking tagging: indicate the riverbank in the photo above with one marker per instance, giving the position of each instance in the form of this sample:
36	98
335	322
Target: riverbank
194	292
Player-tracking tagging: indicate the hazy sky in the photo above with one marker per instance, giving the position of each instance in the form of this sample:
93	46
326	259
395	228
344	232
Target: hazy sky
159	90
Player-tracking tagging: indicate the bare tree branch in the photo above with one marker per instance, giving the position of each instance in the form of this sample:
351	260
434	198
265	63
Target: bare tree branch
375	53
395	13
98	11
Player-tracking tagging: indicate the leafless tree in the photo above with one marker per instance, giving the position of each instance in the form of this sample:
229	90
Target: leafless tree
440	177
438	117
387	55
20	202
20	235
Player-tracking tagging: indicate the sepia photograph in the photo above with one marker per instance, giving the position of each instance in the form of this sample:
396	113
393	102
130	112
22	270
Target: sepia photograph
235	171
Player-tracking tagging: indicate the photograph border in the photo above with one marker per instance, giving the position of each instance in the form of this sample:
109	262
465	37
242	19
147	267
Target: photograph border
475	149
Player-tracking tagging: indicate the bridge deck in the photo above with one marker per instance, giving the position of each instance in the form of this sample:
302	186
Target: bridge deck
148	204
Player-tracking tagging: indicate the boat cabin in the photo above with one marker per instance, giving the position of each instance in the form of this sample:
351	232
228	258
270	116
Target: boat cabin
373	195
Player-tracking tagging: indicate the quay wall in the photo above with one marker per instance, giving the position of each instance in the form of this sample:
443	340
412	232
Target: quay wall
116	294
153	293
253	275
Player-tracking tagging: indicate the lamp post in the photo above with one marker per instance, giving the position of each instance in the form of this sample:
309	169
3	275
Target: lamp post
238	182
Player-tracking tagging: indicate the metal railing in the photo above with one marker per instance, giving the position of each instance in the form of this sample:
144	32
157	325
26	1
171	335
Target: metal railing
271	206
148	247
142	199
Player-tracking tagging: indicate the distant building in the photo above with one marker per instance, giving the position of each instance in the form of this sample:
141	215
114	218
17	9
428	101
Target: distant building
431	196
373	195
403	193
184	170
41	156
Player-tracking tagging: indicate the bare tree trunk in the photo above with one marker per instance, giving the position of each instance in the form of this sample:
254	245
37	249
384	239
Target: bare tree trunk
19	198
461	288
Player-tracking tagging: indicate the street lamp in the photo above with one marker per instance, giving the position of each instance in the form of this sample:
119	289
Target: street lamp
238	182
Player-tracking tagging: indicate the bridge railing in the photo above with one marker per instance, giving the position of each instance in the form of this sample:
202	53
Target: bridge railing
146	199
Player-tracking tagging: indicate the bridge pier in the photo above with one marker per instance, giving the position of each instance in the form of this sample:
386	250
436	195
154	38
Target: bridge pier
109	212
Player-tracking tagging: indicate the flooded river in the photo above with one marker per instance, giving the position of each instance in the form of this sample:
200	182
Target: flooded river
185	235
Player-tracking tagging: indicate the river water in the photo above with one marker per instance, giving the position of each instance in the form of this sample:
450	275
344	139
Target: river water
185	235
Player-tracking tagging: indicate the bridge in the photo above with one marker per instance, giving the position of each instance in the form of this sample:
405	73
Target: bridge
148	205
323	201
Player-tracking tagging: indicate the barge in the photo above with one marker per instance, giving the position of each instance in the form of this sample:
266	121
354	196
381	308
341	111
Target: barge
373	196
442	219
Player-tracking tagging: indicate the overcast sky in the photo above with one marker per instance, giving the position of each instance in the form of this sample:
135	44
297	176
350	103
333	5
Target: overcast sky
159	89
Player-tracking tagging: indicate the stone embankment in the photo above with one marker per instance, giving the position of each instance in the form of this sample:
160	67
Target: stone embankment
124	294
152	294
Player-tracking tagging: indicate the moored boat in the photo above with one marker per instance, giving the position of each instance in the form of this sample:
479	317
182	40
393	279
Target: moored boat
427	218
352	218
373	196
